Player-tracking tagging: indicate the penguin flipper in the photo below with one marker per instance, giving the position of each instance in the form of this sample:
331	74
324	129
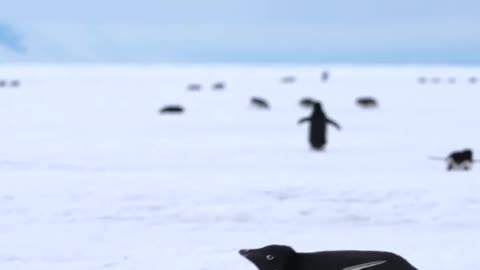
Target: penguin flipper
303	120
333	123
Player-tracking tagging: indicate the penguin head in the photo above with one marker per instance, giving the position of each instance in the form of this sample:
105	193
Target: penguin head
273	257
307	102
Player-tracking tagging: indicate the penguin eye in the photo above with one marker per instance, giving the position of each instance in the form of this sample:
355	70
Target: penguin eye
270	257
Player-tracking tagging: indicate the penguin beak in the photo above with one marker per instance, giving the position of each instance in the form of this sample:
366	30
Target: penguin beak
243	252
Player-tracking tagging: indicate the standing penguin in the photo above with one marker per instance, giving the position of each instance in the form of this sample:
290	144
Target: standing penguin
318	126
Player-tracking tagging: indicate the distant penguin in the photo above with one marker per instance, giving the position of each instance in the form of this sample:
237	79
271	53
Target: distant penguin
461	160
367	102
325	76
422	80
219	86
318	127
452	80
194	87
14	83
473	80
260	103
307	102
172	109
3	83
288	79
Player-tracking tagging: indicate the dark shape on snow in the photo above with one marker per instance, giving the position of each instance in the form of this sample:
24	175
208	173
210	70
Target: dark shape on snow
194	87
367	102
15	83
172	109
279	257
260	103
219	86
473	80
307	102
452	80
3	83
461	160
288	79
325	76
318	127
422	80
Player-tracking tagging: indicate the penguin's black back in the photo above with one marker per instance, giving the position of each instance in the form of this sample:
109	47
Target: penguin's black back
462	156
318	126
338	260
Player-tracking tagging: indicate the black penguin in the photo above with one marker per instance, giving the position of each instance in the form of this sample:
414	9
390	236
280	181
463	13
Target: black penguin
219	86
194	87
367	102
325	76
172	109
289	79
277	257
307	102
318	126
260	103
436	80
460	160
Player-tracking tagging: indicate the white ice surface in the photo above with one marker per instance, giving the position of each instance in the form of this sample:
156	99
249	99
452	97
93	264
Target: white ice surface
92	177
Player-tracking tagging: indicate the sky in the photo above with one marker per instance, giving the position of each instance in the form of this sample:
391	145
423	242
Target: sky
312	31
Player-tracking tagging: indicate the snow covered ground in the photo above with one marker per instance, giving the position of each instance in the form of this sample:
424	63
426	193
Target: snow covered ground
92	177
